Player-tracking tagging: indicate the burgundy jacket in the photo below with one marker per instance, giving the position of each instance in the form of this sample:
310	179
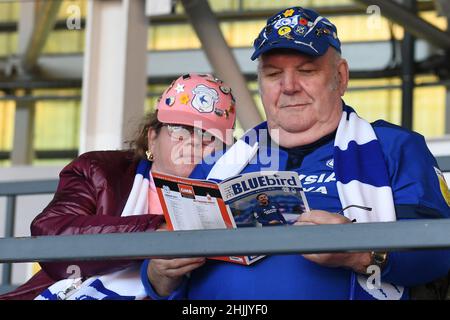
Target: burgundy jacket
91	195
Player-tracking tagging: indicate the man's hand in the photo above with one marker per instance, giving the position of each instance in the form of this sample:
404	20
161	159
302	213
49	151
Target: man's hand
355	261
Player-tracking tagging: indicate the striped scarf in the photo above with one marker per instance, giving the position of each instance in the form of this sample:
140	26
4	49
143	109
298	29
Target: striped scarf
362	179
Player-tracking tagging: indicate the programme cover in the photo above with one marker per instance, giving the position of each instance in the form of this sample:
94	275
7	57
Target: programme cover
257	199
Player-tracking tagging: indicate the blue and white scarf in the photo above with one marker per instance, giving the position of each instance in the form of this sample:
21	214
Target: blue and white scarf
362	178
121	285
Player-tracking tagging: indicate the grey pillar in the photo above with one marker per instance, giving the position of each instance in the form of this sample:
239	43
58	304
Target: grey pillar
22	149
23	142
221	59
114	74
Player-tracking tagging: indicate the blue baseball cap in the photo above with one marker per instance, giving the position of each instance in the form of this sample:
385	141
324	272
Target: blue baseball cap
299	29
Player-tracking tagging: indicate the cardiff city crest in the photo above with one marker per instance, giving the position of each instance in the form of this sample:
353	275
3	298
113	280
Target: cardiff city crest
204	98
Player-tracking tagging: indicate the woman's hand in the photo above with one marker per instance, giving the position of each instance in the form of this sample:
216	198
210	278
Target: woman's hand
165	275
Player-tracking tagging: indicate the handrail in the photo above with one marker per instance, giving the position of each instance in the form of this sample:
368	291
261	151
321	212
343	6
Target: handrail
390	236
16	188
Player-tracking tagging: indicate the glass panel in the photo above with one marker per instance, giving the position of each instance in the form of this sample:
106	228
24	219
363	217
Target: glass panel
433	18
429	111
171	37
65	41
429	104
65	10
64	117
8	44
376	104
260	106
242	33
153	93
9	11
220	5
7	111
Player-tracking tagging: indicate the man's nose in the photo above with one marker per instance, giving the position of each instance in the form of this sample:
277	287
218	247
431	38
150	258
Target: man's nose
290	83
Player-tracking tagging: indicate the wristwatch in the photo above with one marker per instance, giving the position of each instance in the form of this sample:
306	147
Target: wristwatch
378	259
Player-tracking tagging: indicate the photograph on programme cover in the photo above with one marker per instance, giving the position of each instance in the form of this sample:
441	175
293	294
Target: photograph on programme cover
268	208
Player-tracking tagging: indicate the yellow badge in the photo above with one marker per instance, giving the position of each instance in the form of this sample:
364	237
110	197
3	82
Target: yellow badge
184	98
284	30
288	13
443	185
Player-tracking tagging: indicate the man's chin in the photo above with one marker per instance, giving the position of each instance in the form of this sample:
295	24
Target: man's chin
287	128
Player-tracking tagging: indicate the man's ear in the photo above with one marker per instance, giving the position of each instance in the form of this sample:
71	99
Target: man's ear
343	76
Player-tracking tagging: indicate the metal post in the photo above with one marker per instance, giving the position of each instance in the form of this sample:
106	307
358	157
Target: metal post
9	232
221	58
407	49
23	150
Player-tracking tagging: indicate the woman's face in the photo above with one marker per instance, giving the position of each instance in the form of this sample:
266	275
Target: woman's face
178	149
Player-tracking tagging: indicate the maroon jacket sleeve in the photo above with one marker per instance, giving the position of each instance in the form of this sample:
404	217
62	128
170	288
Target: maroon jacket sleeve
90	197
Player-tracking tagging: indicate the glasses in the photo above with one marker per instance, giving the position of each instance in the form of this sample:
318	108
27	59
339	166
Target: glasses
181	132
354	206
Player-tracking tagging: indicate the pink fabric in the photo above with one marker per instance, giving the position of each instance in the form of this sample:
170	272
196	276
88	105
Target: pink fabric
154	206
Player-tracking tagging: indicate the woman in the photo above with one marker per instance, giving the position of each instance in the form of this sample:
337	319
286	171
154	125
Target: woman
112	191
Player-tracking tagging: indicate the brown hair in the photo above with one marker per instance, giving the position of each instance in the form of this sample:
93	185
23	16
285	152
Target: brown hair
140	143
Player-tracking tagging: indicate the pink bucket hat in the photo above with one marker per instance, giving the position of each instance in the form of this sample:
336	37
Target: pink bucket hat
202	101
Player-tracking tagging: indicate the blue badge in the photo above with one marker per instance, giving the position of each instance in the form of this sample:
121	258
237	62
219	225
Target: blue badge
299	29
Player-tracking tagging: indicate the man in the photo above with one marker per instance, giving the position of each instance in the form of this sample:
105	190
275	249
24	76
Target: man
267	213
309	129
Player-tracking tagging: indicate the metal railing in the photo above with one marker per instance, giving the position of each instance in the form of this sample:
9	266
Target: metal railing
421	234
390	236
11	190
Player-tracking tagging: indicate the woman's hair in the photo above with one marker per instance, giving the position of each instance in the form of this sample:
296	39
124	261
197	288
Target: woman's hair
140	143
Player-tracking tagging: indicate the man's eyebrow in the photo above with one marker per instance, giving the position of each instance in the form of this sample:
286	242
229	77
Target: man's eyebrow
268	65
306	62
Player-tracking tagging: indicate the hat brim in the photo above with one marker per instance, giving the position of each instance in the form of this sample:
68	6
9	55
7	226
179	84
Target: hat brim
300	46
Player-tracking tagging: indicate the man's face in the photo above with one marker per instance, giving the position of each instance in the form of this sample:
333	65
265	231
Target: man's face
302	94
263	199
